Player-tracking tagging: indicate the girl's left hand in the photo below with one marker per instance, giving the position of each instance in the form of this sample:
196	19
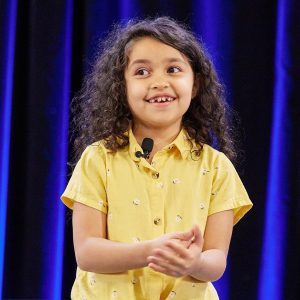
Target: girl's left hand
177	260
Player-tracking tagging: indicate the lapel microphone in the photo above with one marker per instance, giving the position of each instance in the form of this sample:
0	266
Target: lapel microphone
147	146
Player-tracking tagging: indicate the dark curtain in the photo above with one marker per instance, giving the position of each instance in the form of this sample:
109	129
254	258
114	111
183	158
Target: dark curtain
46	47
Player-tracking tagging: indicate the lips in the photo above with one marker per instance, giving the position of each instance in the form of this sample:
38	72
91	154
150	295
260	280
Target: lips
161	99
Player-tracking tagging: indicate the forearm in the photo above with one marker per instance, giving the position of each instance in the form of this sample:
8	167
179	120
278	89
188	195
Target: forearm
210	266
100	255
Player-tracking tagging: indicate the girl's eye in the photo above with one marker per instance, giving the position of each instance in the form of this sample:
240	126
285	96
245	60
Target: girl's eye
174	70
142	72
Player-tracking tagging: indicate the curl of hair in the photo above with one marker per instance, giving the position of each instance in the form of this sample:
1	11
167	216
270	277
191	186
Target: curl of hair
101	111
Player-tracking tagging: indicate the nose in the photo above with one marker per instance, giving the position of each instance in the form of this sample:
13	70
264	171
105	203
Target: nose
159	83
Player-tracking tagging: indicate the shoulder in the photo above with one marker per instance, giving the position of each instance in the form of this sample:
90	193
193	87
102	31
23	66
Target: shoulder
216	161
212	156
96	148
93	153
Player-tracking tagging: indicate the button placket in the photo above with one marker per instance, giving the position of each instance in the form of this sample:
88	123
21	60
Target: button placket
157	196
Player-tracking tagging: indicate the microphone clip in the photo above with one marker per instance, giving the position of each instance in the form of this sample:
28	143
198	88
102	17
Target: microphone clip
139	154
147	146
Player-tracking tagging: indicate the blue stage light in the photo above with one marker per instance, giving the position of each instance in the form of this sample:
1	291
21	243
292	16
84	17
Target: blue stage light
5	126
53	227
273	253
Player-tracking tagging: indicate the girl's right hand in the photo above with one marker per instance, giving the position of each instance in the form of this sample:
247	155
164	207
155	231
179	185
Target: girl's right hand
184	238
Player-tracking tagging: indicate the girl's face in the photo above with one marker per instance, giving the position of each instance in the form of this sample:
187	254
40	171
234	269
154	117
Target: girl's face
159	84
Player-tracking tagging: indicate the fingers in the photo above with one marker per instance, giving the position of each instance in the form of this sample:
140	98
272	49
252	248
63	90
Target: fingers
166	271
194	235
167	263
174	253
164	261
185	239
173	263
187	235
177	248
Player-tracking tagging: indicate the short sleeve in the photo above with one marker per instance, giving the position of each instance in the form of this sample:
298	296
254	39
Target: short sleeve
228	191
87	184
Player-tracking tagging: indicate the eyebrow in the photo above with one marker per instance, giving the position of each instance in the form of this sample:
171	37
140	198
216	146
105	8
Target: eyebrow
147	61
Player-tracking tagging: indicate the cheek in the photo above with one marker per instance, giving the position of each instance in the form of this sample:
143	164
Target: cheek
134	97
135	91
186	84
187	89
129	92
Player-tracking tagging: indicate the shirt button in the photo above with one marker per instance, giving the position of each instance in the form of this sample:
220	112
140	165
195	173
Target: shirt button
133	280
155	175
178	218
157	221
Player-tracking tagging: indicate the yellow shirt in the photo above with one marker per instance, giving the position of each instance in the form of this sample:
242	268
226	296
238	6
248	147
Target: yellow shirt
144	201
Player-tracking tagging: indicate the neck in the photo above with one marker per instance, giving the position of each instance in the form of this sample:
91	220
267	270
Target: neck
161	137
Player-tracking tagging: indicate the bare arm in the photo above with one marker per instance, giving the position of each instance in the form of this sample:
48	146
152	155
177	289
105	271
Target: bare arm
94	253
213	260
205	260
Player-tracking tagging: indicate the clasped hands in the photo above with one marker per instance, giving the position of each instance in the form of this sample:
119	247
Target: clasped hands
177	254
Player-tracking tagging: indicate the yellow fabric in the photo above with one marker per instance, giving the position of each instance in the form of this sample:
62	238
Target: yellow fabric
144	201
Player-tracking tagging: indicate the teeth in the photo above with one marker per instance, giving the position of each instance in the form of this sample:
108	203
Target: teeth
161	99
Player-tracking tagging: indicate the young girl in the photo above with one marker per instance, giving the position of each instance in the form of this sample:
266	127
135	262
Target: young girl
152	226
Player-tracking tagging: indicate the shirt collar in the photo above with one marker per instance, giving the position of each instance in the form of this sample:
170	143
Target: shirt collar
181	142
133	146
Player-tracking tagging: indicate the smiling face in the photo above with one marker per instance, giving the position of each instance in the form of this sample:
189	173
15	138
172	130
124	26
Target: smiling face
159	84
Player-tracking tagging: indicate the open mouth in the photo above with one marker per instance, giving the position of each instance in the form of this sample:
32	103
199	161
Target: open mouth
161	100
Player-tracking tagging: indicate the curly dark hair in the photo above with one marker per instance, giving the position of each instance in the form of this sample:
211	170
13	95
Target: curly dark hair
101	110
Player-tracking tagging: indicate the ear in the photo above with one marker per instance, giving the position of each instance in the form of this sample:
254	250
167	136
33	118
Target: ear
196	86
